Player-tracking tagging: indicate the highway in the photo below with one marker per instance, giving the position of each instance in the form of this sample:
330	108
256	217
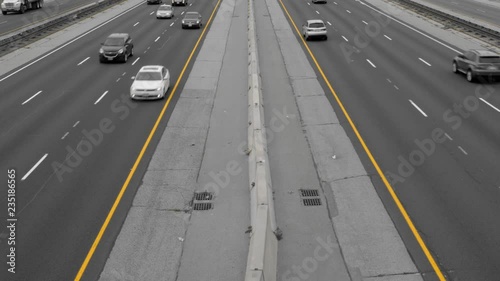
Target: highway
72	133
435	136
51	8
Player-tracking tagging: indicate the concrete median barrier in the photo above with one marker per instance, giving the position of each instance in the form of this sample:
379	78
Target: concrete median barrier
263	249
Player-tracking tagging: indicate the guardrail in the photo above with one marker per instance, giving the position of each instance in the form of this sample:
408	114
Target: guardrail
481	31
263	248
57	20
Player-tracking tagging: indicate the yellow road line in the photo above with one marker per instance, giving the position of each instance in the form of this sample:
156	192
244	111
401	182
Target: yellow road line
141	154
401	208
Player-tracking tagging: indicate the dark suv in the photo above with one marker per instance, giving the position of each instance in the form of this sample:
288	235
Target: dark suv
475	63
118	46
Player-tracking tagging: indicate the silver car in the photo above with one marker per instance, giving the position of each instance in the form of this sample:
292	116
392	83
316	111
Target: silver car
477	63
314	29
165	12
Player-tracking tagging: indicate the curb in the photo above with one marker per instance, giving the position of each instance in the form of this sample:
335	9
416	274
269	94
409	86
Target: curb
263	248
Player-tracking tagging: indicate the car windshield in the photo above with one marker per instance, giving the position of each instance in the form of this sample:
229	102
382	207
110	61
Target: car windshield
114	42
165	8
489	59
191	16
148	76
316	25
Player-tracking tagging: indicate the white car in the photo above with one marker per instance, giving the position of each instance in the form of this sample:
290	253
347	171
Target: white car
314	28
165	11
151	82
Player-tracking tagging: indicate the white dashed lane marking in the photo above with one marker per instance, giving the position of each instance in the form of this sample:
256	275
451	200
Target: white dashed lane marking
492	106
26	101
34	167
83	61
424	61
371	63
463	150
418	108
100	98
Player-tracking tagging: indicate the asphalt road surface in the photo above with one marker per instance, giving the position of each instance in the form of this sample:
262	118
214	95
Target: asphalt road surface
435	136
71	132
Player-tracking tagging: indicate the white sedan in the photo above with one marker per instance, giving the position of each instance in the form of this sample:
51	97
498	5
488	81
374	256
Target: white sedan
151	82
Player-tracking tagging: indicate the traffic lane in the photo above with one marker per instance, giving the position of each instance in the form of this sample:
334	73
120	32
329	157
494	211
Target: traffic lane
474	9
436	64
85	73
415	72
114	153
379	116
51	8
329	55
68	211
50	77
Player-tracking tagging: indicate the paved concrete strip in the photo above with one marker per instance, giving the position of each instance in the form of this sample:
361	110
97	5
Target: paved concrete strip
370	245
216	242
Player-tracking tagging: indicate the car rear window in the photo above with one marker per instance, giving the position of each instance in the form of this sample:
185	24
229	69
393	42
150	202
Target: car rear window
490	59
316	25
165	8
114	42
148	76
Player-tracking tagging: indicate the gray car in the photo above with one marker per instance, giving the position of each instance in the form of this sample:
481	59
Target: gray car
117	47
477	63
165	12
192	19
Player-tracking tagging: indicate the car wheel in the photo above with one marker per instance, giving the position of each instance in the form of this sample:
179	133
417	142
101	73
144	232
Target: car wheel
23	9
325	38
454	67
470	76
4	12
125	58
132	52
40	4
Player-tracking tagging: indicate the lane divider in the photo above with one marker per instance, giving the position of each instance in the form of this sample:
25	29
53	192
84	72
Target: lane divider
264	235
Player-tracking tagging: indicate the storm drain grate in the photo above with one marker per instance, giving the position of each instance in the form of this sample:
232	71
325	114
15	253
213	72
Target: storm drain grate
310	197
311	201
309	192
202	206
203	196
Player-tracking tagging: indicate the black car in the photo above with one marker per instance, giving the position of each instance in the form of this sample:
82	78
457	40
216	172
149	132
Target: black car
117	47
153	1
476	63
191	19
179	2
